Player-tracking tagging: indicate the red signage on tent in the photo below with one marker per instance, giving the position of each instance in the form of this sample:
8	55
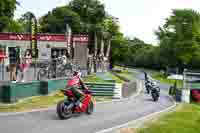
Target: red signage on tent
43	37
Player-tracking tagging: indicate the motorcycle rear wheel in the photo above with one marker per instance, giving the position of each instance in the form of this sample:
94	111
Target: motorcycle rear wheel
61	112
155	97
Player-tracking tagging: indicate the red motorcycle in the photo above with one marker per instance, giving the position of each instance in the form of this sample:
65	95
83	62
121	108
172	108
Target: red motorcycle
66	108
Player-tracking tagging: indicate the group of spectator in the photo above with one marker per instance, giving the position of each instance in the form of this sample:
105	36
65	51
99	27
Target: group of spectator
17	66
63	56
60	59
101	62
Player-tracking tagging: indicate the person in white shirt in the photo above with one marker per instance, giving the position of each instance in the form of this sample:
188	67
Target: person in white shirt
64	58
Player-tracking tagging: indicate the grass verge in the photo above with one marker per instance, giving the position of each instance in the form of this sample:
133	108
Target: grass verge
117	80
163	79
123	72
35	102
39	102
185	119
94	78
126	75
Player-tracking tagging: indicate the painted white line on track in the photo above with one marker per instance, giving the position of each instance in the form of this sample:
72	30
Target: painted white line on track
139	119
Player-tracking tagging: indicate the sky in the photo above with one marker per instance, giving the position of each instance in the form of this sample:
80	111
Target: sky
137	18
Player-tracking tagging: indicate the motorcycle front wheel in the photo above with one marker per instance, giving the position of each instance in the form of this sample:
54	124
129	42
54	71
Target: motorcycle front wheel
62	112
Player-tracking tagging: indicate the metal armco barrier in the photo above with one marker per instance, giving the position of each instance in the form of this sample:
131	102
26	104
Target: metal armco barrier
49	86
12	92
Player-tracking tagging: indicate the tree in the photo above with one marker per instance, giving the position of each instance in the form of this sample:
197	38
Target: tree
179	37
195	62
119	49
133	52
14	26
7	8
56	20
148	57
92	13
111	29
24	21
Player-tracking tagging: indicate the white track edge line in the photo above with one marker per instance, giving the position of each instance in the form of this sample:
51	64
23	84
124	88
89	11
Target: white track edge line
139	119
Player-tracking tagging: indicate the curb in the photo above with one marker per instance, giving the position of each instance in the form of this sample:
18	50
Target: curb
140	119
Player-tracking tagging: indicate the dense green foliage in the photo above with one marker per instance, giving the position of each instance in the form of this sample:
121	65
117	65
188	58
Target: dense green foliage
14	26
24	21
134	52
92	13
7	8
179	44
179	38
55	21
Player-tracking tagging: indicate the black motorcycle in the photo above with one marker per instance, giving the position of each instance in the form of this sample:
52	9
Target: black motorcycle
155	91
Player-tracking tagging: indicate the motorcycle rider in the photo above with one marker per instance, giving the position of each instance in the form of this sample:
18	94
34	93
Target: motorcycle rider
145	76
78	90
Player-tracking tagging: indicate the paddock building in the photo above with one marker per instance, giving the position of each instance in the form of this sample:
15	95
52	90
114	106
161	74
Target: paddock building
47	44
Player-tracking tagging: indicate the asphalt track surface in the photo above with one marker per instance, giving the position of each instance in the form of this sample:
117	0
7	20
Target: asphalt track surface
106	115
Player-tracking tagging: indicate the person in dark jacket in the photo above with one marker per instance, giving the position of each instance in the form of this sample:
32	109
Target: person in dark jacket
14	61
145	76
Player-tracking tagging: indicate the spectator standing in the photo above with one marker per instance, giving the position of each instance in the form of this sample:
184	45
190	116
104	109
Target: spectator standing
2	57
2	54
25	64
64	58
145	76
54	62
14	61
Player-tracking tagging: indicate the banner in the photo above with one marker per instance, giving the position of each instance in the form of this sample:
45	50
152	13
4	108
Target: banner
44	37
33	36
